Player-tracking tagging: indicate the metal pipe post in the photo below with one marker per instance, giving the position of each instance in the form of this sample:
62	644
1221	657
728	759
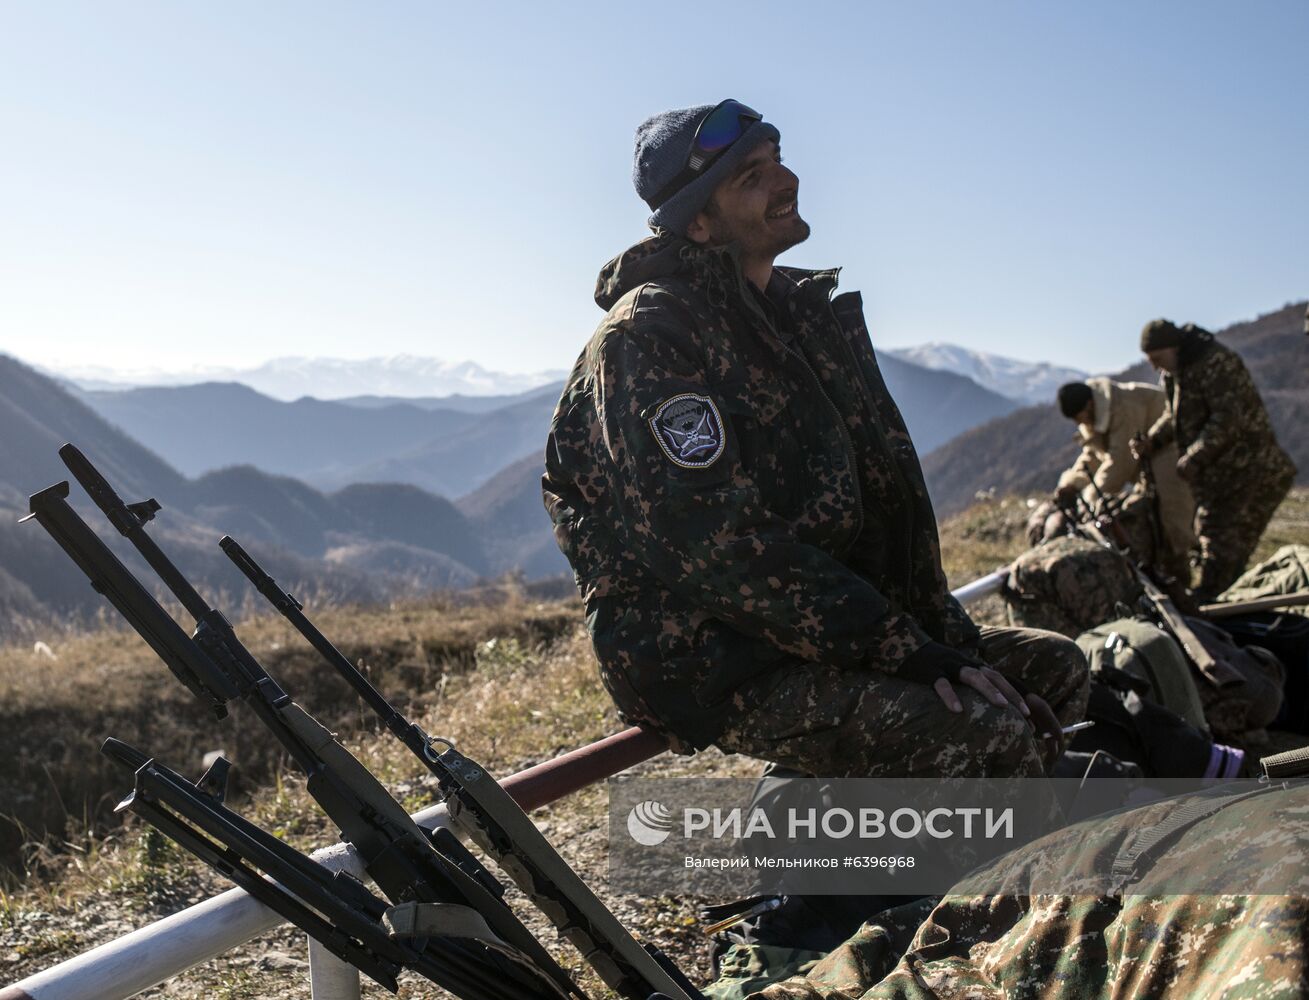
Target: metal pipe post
329	977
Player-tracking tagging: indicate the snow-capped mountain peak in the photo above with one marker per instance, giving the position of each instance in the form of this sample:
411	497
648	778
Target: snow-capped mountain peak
288	378
1025	381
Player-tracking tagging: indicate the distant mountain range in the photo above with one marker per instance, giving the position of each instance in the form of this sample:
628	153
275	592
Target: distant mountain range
328	378
1023	381
355	497
363	542
1024	451
330	444
450	446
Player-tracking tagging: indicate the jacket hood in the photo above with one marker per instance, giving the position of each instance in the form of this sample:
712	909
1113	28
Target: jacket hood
1102	398
666	254
659	256
1196	342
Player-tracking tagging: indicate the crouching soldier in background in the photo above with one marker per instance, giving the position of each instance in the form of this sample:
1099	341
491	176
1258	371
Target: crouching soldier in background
744	510
1108	415
1228	452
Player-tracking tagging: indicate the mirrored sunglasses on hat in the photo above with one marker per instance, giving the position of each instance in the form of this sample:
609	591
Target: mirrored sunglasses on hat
714	136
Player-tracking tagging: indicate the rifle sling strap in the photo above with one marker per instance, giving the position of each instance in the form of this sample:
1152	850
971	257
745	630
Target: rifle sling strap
1134	858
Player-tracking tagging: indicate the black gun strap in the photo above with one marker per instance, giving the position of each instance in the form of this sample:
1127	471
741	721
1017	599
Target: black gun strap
1134	858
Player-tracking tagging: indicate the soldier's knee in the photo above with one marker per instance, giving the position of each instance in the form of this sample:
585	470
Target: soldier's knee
1061	671
1069	683
1007	747
1070	663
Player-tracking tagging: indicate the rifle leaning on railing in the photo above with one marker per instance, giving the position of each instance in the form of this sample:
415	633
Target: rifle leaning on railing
486	814
444	915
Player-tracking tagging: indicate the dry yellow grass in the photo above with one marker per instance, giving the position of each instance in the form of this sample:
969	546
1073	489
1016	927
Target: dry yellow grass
55	713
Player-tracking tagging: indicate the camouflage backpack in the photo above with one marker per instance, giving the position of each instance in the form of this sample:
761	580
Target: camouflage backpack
1068	585
1149	655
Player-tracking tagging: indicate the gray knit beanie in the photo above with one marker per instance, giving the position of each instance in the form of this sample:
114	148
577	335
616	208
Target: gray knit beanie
1159	334
663	145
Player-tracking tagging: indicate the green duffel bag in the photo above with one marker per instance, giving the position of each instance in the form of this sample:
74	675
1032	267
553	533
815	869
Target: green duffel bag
1150	655
1285	572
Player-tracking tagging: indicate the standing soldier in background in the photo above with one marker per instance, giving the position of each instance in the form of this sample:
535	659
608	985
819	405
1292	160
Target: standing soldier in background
1108	415
1228	453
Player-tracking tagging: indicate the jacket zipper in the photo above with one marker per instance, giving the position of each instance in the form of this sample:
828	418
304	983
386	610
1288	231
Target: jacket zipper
902	487
851	465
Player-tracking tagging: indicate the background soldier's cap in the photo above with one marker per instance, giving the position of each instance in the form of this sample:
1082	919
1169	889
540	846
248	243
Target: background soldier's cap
1160	333
1072	398
663	147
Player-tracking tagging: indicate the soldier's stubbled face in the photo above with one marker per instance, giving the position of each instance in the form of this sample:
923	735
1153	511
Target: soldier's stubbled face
756	208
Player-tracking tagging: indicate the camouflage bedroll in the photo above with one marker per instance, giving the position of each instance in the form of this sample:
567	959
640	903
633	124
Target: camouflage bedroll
1069	584
1238	932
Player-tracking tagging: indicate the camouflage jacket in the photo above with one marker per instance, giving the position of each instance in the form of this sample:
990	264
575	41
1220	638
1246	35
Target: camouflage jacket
736	490
1218	420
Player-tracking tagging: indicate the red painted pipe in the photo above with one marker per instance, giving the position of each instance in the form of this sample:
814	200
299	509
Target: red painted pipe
553	779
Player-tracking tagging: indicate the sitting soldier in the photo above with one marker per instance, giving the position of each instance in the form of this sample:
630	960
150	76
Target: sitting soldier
744	510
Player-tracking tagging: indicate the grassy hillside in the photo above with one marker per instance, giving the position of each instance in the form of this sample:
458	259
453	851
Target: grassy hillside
510	678
57	708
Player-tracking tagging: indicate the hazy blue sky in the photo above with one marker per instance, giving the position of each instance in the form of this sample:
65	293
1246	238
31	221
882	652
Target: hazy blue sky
221	183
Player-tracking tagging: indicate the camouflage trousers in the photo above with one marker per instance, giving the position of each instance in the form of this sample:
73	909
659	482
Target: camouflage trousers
863	723
1228	528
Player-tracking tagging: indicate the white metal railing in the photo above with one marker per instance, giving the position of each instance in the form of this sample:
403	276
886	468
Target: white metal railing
121	968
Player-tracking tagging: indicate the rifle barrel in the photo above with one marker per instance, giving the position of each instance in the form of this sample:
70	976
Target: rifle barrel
1225	609
291	610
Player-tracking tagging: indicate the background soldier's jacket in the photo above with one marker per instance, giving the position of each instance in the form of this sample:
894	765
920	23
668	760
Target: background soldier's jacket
1123	409
1218	420
811	536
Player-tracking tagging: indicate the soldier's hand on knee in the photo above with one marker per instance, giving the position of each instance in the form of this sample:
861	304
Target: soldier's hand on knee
947	694
994	687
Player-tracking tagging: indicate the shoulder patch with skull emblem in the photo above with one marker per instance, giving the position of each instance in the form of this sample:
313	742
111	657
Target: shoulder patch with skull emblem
689	430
